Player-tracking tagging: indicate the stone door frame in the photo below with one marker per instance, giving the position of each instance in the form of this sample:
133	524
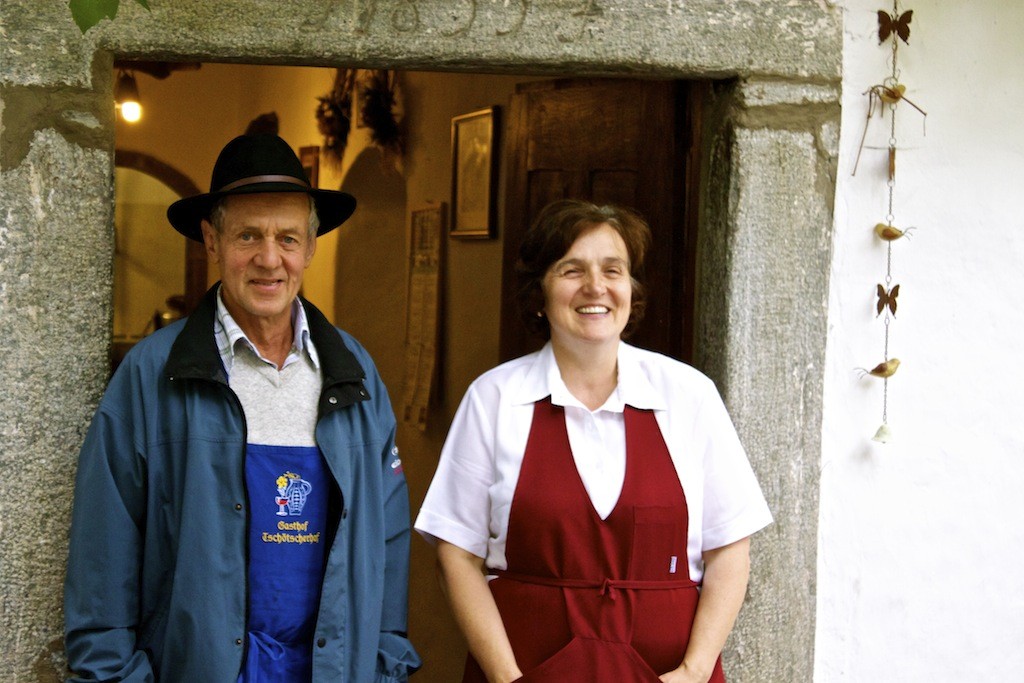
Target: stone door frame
771	139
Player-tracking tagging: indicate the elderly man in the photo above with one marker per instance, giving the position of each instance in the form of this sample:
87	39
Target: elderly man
240	510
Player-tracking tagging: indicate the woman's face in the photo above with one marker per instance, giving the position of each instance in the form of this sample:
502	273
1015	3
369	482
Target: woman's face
588	292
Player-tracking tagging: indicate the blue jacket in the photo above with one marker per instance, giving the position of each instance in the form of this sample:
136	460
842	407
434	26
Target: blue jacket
156	582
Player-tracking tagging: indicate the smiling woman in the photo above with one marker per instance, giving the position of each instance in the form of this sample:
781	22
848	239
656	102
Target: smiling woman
587	299
553	243
587	471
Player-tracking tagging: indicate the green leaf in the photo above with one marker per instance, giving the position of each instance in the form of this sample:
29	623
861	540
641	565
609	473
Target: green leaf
144	3
88	13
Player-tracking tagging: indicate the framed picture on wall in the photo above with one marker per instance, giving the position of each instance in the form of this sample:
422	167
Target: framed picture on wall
474	174
310	158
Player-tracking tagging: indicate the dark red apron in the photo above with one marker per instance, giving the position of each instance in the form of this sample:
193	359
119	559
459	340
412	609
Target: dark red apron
586	599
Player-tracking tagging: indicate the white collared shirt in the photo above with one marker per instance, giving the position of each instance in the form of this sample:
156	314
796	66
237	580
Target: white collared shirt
470	498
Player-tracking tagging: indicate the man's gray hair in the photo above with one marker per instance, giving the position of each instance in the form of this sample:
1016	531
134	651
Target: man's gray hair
218	212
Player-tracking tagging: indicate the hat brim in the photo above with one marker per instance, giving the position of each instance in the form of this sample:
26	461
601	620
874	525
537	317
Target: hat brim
333	207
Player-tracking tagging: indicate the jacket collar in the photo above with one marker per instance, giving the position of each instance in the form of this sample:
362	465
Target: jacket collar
194	354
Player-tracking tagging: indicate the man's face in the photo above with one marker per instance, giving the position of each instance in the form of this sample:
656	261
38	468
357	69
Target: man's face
262	250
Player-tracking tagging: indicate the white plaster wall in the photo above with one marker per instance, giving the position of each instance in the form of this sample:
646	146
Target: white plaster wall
921	541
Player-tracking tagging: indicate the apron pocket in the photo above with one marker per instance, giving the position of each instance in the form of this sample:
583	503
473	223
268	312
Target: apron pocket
593	661
659	543
564	665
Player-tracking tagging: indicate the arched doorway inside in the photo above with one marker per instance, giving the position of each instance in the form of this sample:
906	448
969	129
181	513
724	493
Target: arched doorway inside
158	274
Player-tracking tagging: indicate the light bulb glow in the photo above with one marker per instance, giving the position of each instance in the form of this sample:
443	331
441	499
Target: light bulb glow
131	111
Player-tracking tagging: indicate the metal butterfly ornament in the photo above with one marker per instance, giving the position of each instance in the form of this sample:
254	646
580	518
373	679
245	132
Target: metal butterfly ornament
887	299
888	24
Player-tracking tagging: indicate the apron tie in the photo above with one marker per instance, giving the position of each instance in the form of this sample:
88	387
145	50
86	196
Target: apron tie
606	586
265	652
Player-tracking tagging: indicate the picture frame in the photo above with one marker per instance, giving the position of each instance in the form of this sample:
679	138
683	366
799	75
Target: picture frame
475	174
310	159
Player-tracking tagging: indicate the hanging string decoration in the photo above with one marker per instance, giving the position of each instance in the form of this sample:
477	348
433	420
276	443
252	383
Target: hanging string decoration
334	114
893	27
377	111
375	92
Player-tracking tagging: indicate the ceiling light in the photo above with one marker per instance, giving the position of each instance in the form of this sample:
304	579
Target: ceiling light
126	97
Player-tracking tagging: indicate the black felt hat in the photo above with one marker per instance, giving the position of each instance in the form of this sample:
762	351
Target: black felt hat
251	164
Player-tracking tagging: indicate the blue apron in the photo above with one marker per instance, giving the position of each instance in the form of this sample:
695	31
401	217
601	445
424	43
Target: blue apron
288	495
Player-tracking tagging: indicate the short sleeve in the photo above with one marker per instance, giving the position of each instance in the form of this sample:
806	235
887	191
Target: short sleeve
456	508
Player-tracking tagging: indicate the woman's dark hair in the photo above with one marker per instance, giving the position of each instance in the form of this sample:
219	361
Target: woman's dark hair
555	229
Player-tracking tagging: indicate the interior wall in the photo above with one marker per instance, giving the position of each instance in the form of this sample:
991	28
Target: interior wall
472	290
182	115
149	260
921	540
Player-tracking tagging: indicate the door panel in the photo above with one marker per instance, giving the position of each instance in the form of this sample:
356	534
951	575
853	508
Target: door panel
548	186
607	141
614	187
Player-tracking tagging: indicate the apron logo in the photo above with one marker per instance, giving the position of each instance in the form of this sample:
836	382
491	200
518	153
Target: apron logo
292	491
672	565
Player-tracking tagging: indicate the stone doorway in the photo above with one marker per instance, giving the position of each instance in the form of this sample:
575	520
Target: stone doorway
765	225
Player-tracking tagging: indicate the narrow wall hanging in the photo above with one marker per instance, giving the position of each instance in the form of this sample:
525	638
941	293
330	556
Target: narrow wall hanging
375	96
893	27
334	114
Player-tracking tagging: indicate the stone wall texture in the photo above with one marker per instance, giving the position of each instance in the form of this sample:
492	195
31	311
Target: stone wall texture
55	279
769	181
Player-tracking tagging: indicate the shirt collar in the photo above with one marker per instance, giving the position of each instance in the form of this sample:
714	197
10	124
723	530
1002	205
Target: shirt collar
634	387
229	335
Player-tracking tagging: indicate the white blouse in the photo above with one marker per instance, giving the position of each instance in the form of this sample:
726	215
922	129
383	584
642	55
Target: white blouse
470	498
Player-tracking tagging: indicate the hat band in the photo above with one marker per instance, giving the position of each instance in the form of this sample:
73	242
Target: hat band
253	180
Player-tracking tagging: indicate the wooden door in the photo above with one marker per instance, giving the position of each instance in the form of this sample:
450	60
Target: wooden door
608	141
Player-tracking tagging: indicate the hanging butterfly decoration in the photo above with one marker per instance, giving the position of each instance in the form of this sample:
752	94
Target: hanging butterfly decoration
889	24
887	299
894	26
